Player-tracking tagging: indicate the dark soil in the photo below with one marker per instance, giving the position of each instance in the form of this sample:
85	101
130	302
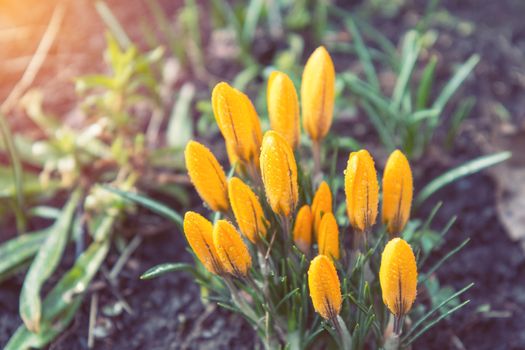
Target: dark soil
167	312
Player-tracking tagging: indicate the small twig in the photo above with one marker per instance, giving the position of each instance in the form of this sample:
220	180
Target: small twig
267	255
115	291
93	310
132	246
37	61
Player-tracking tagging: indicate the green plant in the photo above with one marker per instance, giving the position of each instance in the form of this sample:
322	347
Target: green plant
269	273
409	114
73	163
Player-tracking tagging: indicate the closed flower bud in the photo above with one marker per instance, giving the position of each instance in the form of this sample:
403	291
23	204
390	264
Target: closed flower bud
238	123
283	107
362	190
398	276
397	192
198	232
328	240
247	210
279	173
207	176
317	94
302	231
232	251
321	204
325	289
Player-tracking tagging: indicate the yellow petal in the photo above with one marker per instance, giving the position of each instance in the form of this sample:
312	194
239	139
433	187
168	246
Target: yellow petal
328	241
279	173
302	231
321	204
198	232
317	94
398	276
238	123
247	210
397	192
325	289
362	190
283	107
207	176
232	251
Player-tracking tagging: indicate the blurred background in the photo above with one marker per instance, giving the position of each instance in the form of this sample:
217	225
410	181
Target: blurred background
109	92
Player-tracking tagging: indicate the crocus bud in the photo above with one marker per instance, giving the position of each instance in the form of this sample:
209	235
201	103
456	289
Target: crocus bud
302	231
317	94
238	123
397	193
207	176
283	107
232	251
362	190
398	276
279	174
321	204
325	289
198	232
247	210
328	240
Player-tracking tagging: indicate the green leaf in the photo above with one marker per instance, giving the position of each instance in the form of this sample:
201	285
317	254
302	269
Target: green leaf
19	250
61	304
113	24
425	85
459	77
463	170
161	269
149	203
180	125
44	265
423	277
410	53
17	170
363	54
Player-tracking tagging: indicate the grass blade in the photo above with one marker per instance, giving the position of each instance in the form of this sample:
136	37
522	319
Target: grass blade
150	204
463	170
20	249
410	53
161	269
456	81
44	265
443	260
180	125
113	24
434	322
16	168
425	85
363	54
436	308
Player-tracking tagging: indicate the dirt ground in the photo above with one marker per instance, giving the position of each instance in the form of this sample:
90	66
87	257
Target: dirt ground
167	312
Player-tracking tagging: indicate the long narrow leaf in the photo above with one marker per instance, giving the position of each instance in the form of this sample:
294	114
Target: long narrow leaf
411	48
435	309
20	249
161	269
150	204
434	322
363	54
456	81
463	170
450	254
45	264
61	304
16	168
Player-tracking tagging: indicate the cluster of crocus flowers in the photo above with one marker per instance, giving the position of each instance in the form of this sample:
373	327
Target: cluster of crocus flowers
265	199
